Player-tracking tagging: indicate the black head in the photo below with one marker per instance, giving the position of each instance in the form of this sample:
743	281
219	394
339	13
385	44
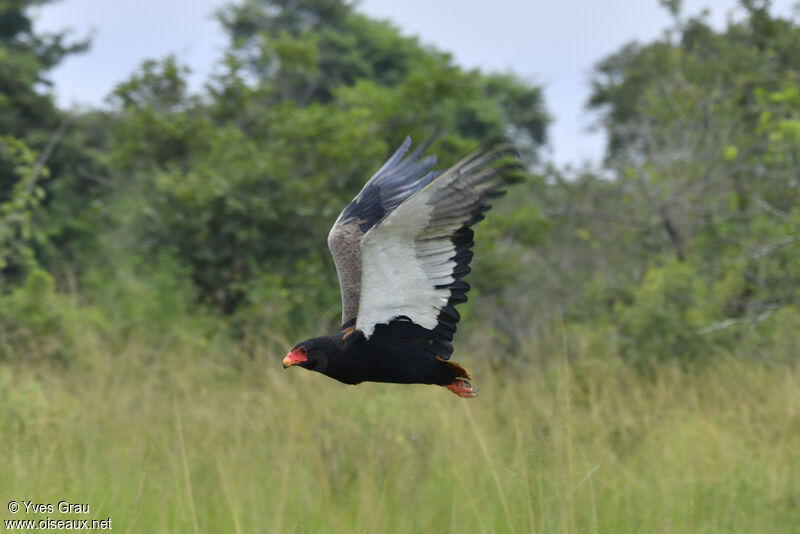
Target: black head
310	354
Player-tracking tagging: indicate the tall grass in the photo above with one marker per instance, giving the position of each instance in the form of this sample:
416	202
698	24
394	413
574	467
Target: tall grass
179	441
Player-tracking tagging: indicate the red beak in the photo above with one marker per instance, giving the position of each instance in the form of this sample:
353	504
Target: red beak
294	357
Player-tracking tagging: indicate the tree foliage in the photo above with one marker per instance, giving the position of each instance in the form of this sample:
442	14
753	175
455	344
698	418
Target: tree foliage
243	183
42	158
696	231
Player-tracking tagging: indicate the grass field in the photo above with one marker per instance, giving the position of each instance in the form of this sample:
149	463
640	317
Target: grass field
169	441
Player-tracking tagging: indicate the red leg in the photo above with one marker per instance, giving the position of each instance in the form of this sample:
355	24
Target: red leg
463	389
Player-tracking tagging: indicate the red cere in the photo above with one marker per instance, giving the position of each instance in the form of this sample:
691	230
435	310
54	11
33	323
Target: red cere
298	355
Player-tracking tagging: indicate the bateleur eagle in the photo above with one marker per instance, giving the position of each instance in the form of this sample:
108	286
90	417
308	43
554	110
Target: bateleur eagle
401	249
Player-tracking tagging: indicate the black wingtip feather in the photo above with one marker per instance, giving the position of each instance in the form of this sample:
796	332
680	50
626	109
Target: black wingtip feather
451	313
445	331
442	347
501	168
461	271
494	166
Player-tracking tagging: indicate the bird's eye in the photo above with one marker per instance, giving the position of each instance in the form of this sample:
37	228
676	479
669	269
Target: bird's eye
304	350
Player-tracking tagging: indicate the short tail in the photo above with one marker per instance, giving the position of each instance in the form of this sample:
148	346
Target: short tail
456	369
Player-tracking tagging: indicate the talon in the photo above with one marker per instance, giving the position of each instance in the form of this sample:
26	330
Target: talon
463	389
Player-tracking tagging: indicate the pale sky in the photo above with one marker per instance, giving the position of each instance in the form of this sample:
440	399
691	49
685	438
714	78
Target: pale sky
545	41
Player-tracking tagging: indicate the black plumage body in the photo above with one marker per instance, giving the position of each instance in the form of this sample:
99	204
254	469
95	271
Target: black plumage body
398	352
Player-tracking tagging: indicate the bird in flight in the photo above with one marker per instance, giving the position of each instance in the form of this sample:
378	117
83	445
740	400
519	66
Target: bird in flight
401	249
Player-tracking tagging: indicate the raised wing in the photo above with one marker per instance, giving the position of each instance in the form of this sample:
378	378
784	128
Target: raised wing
395	181
413	259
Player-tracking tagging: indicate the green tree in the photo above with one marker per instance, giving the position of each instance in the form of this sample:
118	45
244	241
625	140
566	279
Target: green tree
33	129
693	228
243	183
